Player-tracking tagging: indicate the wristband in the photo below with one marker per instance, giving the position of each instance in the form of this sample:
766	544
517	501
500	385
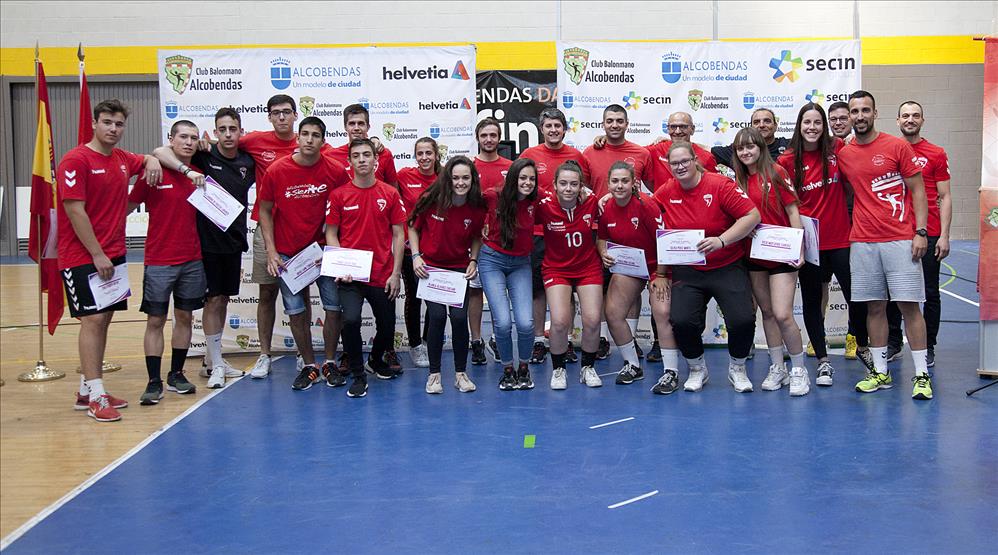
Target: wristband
723	244
415	254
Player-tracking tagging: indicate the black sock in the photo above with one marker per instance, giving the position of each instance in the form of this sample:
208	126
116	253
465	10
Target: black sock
557	361
153	365
177	360
588	359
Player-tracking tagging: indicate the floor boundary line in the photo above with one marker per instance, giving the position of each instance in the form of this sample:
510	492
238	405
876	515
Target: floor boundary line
964	299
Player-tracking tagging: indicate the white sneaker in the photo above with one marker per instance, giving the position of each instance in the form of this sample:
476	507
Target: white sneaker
589	377
698	377
776	379
739	379
463	383
800	383
419	356
261	368
433	383
217	378
230	371
824	374
558	379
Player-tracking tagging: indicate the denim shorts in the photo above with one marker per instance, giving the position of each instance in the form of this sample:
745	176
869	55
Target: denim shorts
329	293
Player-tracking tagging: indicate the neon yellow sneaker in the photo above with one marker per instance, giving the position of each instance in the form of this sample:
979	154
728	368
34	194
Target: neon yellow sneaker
922	389
850	346
810	350
874	381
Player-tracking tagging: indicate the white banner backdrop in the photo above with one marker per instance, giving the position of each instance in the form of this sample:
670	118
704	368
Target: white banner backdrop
719	84
410	93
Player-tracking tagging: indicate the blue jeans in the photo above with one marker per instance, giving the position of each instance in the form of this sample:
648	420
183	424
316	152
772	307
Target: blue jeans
506	280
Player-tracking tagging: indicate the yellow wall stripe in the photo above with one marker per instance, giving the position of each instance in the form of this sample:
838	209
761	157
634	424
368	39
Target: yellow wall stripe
117	60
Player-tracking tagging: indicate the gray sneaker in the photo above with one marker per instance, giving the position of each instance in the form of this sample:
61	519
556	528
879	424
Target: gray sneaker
824	375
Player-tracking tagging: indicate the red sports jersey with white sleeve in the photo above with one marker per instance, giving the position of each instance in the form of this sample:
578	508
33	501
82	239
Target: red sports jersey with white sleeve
444	239
523	242
882	209
170	216
633	225
601	159
492	175
300	194
101	182
712	205
365	217
662	171
569	245
823	201
935	168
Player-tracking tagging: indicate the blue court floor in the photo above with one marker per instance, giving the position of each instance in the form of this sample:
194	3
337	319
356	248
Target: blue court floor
260	468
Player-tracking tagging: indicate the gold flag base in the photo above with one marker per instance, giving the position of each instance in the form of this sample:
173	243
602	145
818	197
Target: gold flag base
106	368
41	373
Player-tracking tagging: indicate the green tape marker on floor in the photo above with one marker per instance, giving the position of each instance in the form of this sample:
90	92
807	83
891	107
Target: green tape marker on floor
528	441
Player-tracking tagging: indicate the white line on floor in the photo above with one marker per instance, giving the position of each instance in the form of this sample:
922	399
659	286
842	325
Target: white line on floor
608	374
632	500
611	423
44	513
964	299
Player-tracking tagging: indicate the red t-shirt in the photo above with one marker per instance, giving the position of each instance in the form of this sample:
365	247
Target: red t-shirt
713	206
102	183
365	217
935	168
386	163
446	238
266	148
300	194
600	161
662	171
633	225
569	245
771	210
882	209
825	202
412	183
492	175
170	216
548	161
523	243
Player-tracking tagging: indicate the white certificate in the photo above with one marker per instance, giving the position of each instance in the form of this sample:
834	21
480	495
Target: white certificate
777	243
679	247
112	291
216	204
443	287
339	262
627	260
301	269
810	240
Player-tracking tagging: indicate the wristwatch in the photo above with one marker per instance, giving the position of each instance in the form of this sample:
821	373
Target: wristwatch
921	232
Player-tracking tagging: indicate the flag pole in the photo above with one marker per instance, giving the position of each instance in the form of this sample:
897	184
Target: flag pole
41	373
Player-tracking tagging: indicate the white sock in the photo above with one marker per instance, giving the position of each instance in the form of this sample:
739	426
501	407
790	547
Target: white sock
538	339
776	355
213	349
670	359
698	361
96	388
797	361
84	390
633	324
879	359
921	365
737	363
629	353
604	331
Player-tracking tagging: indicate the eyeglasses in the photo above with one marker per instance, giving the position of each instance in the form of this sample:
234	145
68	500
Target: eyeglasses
678	126
681	163
282	113
838	119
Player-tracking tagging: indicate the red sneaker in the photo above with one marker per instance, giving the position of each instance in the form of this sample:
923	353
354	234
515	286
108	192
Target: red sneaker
83	402
101	410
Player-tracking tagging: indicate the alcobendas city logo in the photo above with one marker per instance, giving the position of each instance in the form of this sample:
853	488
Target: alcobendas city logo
178	72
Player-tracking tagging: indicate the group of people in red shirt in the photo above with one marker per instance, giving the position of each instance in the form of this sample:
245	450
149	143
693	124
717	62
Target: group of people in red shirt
530	235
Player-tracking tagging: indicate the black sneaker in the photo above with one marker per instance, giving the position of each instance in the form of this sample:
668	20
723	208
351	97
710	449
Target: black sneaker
334	377
392	359
176	381
152	394
344	361
668	383
359	387
478	352
508	380
893	353
604	349
308	376
629	374
494	349
539	354
930	357
570	355
866	357
655	354
523	380
637	348
381	371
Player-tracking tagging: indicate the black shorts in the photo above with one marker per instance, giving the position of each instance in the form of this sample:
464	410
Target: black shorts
184	282
778	269
76	282
223	272
536	260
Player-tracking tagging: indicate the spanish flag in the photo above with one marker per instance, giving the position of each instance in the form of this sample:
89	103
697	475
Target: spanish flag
43	238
